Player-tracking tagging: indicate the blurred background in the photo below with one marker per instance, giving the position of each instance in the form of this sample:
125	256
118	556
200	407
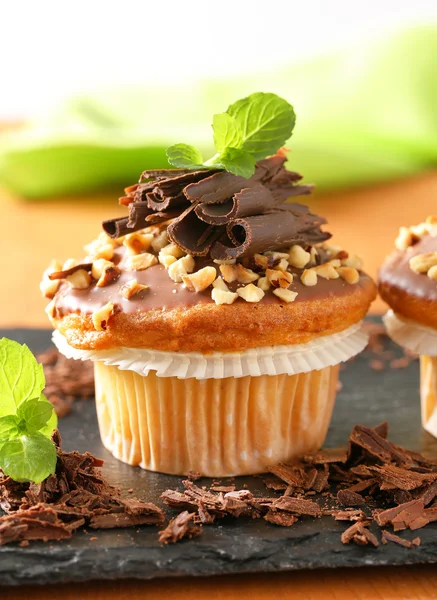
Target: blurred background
93	93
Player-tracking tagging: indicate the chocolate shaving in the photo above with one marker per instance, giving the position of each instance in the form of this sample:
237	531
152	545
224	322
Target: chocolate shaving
178	528
360	534
349	498
349	515
220	213
280	518
392	537
76	495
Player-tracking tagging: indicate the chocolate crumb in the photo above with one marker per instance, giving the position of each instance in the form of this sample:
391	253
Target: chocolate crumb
387	536
179	528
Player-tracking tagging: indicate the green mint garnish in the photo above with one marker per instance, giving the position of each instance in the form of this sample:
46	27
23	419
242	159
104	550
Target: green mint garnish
251	129
27	418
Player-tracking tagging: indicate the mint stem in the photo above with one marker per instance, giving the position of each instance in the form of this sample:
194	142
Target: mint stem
212	162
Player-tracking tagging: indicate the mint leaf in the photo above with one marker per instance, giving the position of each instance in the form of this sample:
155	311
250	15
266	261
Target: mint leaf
8	428
21	377
238	162
184	156
28	458
7	405
34	414
266	122
52	423
227	134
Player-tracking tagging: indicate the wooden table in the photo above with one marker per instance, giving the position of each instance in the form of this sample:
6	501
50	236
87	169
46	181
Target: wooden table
365	221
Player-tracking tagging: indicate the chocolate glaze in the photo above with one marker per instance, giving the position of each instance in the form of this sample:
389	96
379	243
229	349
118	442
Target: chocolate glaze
396	271
164	294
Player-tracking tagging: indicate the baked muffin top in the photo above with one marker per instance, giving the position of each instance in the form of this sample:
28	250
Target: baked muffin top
408	278
208	260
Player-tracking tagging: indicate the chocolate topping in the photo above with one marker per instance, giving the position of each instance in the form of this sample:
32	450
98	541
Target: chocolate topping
229	216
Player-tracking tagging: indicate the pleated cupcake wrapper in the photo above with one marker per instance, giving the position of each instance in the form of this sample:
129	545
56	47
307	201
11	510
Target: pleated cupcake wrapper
412	336
324	351
218	427
422	340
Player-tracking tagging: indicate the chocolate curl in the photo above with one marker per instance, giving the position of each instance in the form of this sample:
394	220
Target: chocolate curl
247	202
157	201
116	228
217	188
275	230
63	274
168	192
193	235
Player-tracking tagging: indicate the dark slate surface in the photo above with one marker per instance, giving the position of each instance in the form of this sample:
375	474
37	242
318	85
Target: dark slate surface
367	397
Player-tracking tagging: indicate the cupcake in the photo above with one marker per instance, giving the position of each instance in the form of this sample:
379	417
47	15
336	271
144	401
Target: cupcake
216	313
408	283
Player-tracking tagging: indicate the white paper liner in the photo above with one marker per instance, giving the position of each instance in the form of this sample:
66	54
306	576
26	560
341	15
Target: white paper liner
324	351
411	335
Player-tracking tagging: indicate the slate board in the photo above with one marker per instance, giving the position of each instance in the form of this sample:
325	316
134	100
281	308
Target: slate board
233	546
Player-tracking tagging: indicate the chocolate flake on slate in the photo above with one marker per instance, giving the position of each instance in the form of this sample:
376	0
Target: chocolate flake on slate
349	498
360	534
76	495
387	536
178	528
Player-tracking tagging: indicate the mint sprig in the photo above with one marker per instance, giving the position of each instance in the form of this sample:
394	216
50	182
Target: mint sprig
251	129
27	418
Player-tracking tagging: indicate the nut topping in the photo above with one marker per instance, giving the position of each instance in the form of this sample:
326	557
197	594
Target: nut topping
279	278
223	297
349	274
105	272
136	243
286	295
160	241
328	270
140	262
263	283
131	288
200	280
79	280
245	275
421	263
173	250
181	267
229	273
250	293
282	265
309	277
166	259
220	285
47	286
298	257
432	273
101	317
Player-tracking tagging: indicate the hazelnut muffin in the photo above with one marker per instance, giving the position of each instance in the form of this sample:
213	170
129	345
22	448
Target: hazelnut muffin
408	283
216	316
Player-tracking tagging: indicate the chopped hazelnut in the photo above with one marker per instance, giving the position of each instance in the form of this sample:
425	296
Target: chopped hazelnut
354	261
309	277
245	275
100	317
421	263
282	265
229	273
50	310
100	248
79	280
222	296
69	264
166	259
131	288
298	257
160	241
263	283
140	262
313	256
286	295
220	285
173	250
200	280
135	243
279	278
262	261
349	274
181	267
333	251
250	293
99	266
328	270
47	286
405	239
432	272
109	274
229	261
419	230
